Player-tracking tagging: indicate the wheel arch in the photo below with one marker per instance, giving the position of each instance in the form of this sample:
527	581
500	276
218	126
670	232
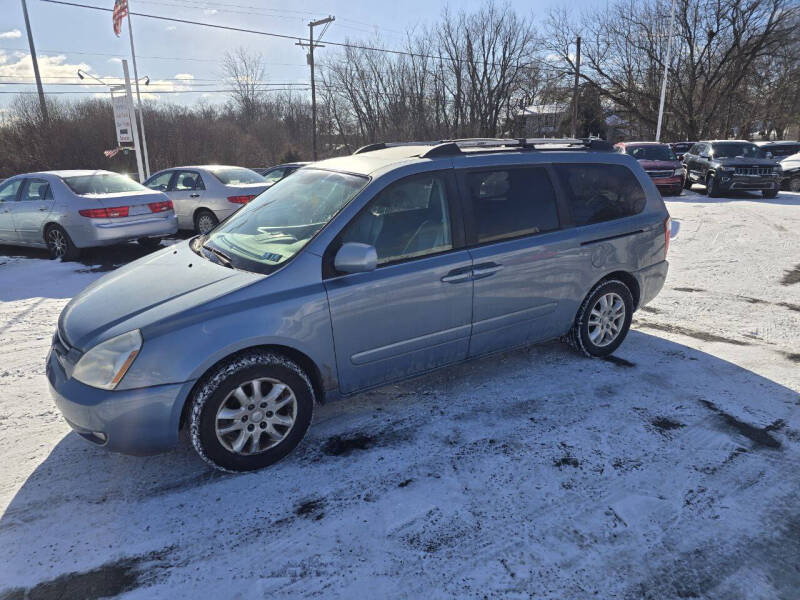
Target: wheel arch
625	277
302	359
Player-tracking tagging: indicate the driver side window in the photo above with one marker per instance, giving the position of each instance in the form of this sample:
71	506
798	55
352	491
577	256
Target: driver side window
409	219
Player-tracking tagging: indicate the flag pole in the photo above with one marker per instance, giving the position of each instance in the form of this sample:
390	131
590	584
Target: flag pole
138	97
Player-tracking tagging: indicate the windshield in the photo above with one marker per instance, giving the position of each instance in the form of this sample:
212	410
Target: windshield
651	152
279	222
102	183
734	150
236	175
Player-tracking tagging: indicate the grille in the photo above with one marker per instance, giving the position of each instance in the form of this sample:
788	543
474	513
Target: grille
657	174
758	171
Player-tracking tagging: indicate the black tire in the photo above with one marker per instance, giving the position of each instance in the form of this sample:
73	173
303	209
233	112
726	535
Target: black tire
579	337
149	243
200	218
712	186
216	390
769	193
687	182
794	184
59	244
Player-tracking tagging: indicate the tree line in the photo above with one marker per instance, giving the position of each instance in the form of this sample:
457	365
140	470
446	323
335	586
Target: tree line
734	70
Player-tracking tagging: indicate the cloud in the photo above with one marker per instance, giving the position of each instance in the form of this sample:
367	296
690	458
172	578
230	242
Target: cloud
116	60
170	28
19	65
210	11
10	35
186	76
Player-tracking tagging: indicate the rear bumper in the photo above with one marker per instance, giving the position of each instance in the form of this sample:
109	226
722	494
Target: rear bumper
141	421
651	280
110	232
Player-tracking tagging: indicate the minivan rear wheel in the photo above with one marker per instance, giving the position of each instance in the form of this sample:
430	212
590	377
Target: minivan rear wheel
251	411
603	319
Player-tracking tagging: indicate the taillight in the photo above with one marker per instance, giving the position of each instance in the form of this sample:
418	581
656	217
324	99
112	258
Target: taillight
667	230
240	199
160	206
105	213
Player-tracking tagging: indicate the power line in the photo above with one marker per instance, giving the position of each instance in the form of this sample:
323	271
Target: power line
286	37
160	91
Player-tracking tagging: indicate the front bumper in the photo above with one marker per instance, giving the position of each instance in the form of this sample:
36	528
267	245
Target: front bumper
670	184
141	421
748	183
106	233
651	280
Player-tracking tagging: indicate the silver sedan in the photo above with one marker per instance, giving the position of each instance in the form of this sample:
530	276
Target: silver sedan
205	195
66	211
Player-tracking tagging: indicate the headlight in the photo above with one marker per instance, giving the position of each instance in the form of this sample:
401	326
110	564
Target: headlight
678	173
105	365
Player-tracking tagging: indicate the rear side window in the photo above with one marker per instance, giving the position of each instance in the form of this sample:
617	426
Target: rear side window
37	189
511	203
598	193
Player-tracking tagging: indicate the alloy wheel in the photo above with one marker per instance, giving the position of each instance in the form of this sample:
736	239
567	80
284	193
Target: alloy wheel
205	223
57	242
606	319
256	416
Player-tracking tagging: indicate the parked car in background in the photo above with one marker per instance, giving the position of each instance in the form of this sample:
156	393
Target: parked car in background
722	165
659	162
779	149
355	272
205	195
790	172
680	148
66	211
274	174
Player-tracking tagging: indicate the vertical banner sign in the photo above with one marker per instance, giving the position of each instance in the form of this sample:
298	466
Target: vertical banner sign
122	115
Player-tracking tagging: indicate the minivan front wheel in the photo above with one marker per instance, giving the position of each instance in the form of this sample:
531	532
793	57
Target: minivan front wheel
603	320
251	411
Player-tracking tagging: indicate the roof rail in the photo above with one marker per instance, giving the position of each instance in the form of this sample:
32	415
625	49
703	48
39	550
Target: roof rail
454	147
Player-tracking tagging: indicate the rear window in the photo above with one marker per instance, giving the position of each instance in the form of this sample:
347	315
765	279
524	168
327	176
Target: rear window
102	183
512	202
651	152
237	175
598	193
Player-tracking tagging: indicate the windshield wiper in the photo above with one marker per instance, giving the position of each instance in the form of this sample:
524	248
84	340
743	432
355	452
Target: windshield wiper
223	258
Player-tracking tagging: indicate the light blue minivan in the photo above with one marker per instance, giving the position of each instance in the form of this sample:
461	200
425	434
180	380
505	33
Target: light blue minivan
352	273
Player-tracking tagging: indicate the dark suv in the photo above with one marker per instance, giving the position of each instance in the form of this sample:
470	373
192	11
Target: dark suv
724	165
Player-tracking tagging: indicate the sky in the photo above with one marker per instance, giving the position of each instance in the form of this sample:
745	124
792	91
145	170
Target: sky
180	57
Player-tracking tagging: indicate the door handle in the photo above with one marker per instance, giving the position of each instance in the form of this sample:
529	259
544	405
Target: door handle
458	275
194	195
485	270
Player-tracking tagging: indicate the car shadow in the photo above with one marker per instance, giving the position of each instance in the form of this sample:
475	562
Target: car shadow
699	196
659	418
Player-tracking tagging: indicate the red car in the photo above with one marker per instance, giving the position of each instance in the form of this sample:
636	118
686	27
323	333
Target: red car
660	162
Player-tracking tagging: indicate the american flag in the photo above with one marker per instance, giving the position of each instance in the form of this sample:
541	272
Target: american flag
111	153
120	12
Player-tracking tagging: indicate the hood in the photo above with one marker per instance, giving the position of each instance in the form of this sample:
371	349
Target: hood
656	165
144	292
746	162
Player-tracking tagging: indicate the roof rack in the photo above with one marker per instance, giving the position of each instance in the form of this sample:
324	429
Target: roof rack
454	147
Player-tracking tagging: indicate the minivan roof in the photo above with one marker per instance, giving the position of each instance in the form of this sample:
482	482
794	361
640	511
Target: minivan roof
378	156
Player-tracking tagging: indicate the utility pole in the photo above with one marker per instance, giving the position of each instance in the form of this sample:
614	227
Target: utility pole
575	90
310	59
666	68
138	98
42	102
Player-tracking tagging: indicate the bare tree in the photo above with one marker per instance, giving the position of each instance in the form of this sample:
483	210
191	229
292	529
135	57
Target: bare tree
244	72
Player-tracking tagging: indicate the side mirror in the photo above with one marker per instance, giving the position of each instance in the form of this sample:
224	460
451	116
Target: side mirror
354	257
769	154
703	155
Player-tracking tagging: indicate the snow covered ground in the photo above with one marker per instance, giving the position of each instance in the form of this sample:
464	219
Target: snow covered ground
670	471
